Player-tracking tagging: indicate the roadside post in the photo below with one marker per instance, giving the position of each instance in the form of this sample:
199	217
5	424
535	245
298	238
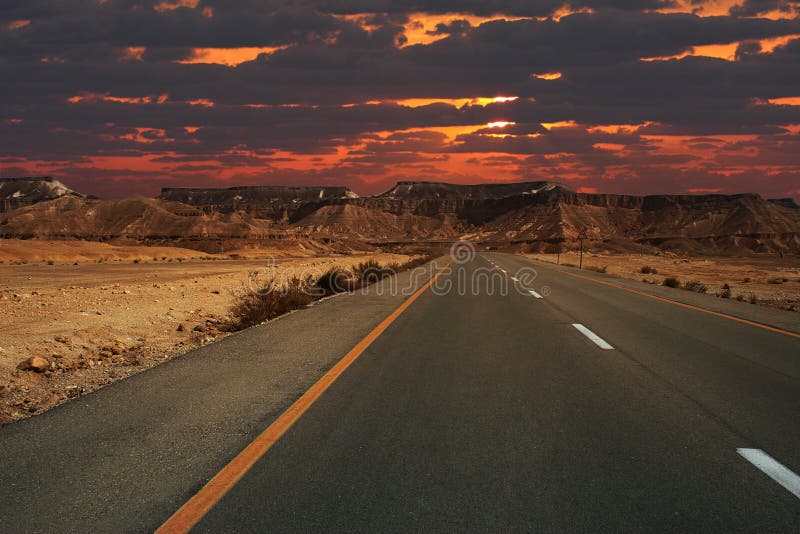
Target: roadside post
581	237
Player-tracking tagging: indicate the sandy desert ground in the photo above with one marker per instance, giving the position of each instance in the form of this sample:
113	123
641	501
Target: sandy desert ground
95	323
760	279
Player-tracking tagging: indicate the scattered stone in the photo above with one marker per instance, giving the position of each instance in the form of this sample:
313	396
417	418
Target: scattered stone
181	328
199	328
37	364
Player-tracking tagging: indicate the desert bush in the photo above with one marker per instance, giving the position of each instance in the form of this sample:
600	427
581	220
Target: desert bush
747	280
775	281
671	282
254	307
394	267
50	262
137	260
726	292
597	268
334	280
740	297
413	263
369	272
696	286
648	270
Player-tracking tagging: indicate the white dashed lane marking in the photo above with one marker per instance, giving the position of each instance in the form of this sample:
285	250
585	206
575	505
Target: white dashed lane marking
600	342
773	469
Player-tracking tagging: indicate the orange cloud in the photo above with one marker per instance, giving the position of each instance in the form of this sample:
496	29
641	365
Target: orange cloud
95	97
547	75
419	25
456	102
230	56
170	5
726	51
785	101
17	24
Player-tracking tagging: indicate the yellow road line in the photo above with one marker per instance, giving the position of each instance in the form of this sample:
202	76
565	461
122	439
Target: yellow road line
681	304
201	503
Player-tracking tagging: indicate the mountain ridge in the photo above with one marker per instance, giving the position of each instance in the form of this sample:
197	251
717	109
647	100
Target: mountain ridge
539	214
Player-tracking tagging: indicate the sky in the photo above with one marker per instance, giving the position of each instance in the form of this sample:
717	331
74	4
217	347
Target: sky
123	97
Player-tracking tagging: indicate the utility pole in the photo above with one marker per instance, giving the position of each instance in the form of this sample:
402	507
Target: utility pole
581	237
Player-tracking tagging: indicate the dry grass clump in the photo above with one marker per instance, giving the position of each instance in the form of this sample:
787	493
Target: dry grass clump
597	268
334	280
671	281
271	300
696	286
369	272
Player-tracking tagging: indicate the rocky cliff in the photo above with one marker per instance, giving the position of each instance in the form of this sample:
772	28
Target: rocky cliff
531	212
19	192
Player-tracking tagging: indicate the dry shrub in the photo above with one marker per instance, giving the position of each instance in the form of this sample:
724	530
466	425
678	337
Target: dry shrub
334	280
696	286
726	292
369	272
272	300
671	281
413	263
597	269
648	270
775	281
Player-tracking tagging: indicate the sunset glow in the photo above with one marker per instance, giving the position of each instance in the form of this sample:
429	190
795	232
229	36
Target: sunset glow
687	96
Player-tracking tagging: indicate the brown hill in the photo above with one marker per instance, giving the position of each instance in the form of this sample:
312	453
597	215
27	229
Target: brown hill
371	224
19	192
136	218
279	203
543	213
718	223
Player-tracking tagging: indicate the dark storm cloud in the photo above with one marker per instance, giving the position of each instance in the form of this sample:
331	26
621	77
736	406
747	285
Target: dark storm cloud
750	8
113	25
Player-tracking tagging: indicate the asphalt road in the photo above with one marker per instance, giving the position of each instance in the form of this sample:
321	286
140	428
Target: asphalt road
473	411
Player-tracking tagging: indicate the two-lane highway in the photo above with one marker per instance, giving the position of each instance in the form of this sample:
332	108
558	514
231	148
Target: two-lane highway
503	394
589	409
